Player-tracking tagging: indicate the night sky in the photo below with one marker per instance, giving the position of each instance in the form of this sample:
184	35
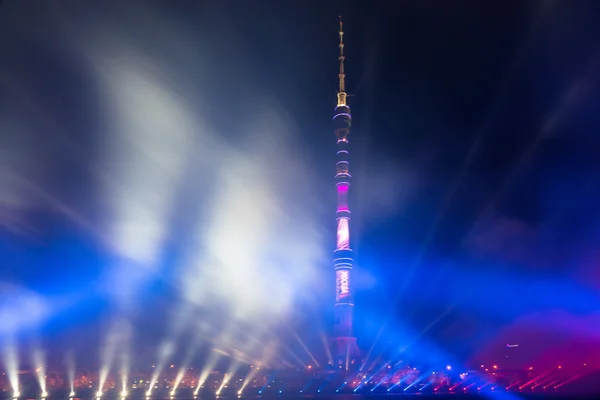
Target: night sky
475	160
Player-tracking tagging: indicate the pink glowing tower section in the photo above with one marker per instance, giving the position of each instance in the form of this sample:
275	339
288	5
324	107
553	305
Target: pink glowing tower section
342	196
342	278
343	234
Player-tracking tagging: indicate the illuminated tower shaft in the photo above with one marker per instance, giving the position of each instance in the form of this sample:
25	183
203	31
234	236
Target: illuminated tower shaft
345	347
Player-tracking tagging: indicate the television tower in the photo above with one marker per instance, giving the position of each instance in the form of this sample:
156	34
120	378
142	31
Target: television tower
344	343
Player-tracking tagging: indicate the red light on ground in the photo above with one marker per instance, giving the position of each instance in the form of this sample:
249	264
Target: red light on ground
531	368
310	366
495	367
560	366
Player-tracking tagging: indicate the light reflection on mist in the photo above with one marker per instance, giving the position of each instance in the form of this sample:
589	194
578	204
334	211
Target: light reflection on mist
116	344
147	144
11	363
39	363
255	242
70	366
21	309
253	253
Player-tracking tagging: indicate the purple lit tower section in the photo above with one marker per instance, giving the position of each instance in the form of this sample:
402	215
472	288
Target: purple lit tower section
344	343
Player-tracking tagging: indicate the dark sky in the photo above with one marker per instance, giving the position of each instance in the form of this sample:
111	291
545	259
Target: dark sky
475	152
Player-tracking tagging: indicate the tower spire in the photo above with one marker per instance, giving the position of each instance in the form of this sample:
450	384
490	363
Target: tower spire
342	75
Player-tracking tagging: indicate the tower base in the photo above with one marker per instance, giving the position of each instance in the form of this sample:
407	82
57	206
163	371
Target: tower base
346	352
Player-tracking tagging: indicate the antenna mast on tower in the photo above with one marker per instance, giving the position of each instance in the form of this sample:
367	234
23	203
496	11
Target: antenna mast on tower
342	74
